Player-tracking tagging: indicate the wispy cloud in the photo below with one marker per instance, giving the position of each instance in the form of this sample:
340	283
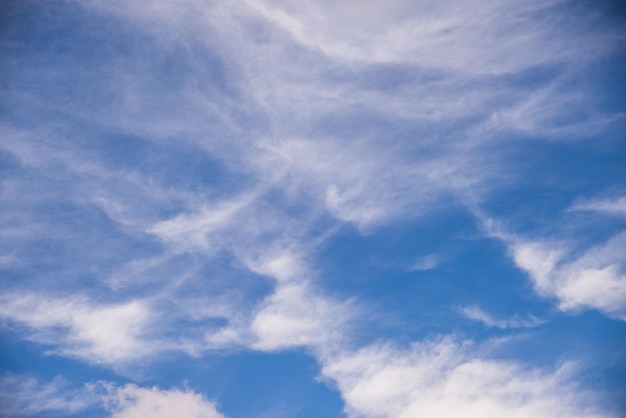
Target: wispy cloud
612	206
25	396
595	279
454	35
425	263
347	172
323	115
448	378
475	313
78	327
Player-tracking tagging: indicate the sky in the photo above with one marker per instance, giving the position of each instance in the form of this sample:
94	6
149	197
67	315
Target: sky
305	209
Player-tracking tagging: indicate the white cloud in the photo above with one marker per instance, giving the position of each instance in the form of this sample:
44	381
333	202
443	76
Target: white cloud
475	313
578	277
297	315
25	396
359	181
475	36
131	401
365	177
445	378
439	378
595	279
302	67
546	111
425	263
78	327
613	206
196	232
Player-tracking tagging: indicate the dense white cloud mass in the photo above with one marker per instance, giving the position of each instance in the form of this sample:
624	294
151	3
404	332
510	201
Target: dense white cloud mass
300	119
594	279
296	315
445	378
131	401
78	327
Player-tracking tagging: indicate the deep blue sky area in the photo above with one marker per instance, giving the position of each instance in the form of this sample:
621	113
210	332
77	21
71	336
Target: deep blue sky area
274	209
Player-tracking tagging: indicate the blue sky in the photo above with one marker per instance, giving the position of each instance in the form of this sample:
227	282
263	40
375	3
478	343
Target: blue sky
275	209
